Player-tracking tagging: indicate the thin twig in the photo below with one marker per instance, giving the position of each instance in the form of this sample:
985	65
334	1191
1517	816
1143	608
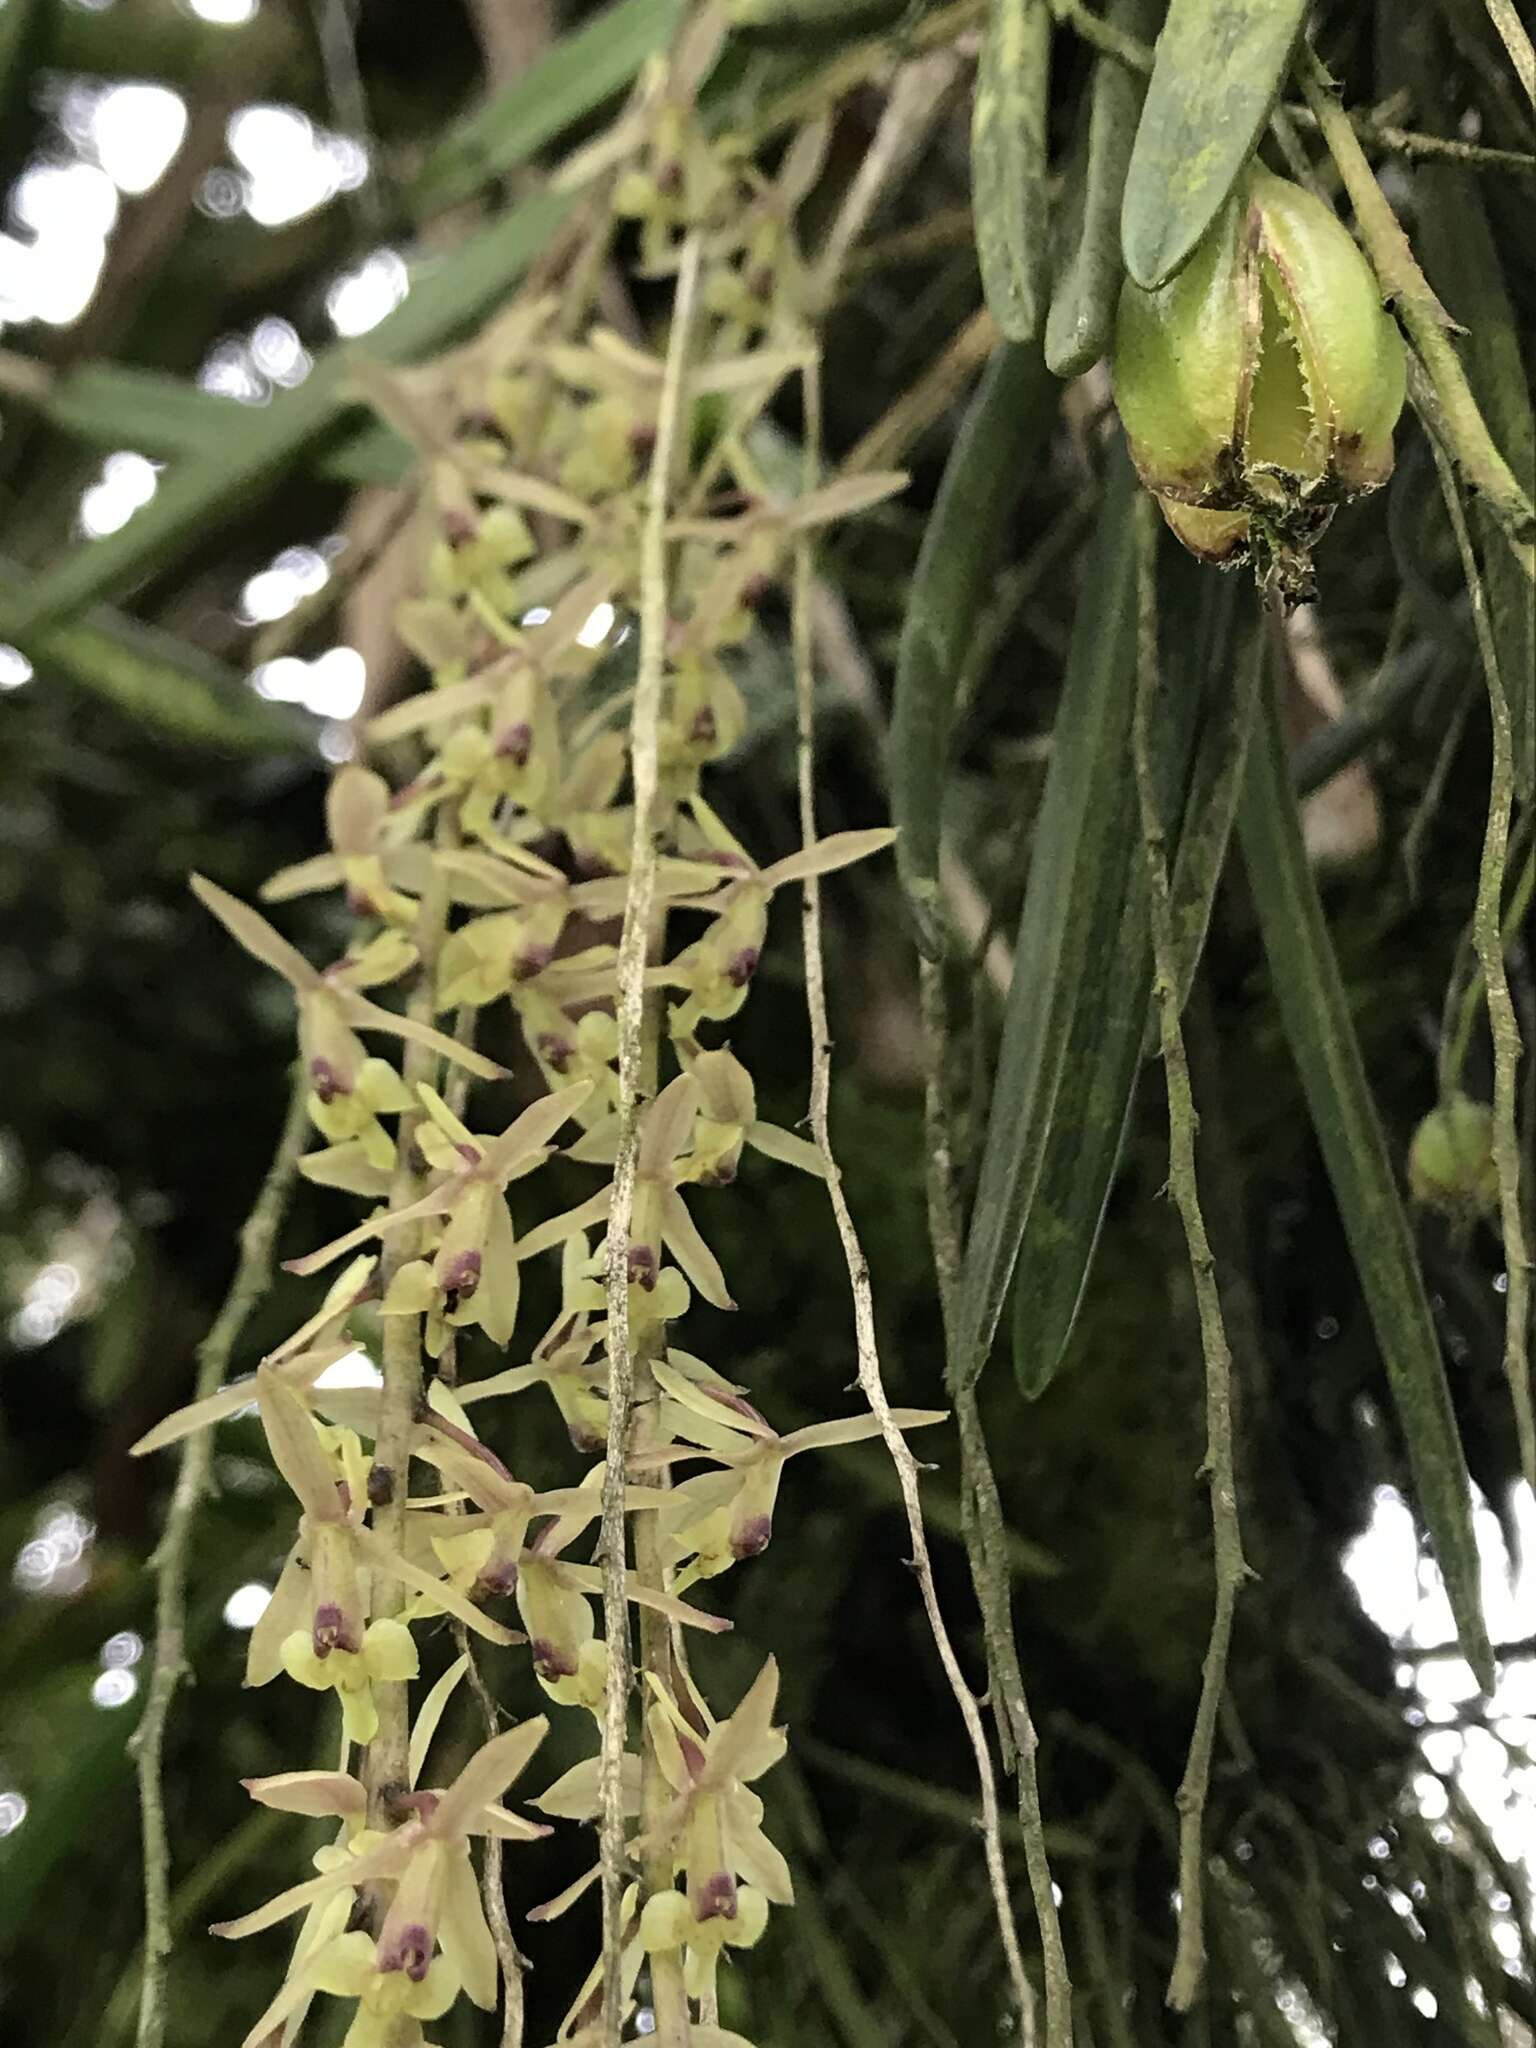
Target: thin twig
253	1275
1183	1181
985	1530
630	1013
1517	41
1404	283
871	1381
1488	937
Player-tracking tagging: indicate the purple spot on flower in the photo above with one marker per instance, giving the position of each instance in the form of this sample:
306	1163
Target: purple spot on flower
329	1630
458	528
704	731
497	1580
328	1083
752	1538
531	961
516	743
381	1486
693	1755
716	1898
409	1950
554	1051
550	1661
461	1279
642	1266
742	966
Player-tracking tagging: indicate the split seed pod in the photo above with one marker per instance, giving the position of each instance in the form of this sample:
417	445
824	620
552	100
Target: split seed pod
1260	386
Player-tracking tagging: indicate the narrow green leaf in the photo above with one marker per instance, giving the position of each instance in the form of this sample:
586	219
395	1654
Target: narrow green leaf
1217	72
582	71
448	295
1008	164
1314	1010
153	678
986	475
1065	894
1215	786
1463	265
1089	269
114	405
1108	1039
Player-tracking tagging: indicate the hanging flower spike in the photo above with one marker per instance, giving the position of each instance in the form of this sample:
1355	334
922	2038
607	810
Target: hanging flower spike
713	1829
348	1090
659	1219
728	1120
436	1901
562	1361
473	1276
715	1820
718	1518
370	857
316	1626
716	970
299	1360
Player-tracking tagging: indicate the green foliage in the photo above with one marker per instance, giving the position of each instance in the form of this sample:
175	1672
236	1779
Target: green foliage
1329	999
1218	71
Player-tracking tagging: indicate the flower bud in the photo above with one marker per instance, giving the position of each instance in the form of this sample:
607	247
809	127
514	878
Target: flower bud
1259	388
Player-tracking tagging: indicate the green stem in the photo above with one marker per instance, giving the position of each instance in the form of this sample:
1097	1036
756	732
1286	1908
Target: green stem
1516	40
1488	938
867	1350
986	1535
672	2019
1404	283
253	1274
1183	1180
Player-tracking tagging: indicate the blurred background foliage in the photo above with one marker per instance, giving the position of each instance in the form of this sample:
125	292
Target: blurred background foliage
223	191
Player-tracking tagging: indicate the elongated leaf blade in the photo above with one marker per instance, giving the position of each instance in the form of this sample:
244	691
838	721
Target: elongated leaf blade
1087	243
1218	70
988	469
581	72
1008	164
1314	1010
1197	790
447	298
1091	743
153	678
1464	269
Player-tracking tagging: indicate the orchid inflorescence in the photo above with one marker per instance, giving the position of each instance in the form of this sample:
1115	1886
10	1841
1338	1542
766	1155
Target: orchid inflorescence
486	882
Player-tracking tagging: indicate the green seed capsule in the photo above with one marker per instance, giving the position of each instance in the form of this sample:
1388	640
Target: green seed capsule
1259	388
1450	1162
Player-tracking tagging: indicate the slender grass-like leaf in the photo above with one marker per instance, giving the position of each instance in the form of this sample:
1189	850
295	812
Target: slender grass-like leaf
1057	933
114	405
1008	164
1215	787
987	472
578	75
153	678
1314	1010
1108	1039
1217	72
448	296
1463	265
1087	242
